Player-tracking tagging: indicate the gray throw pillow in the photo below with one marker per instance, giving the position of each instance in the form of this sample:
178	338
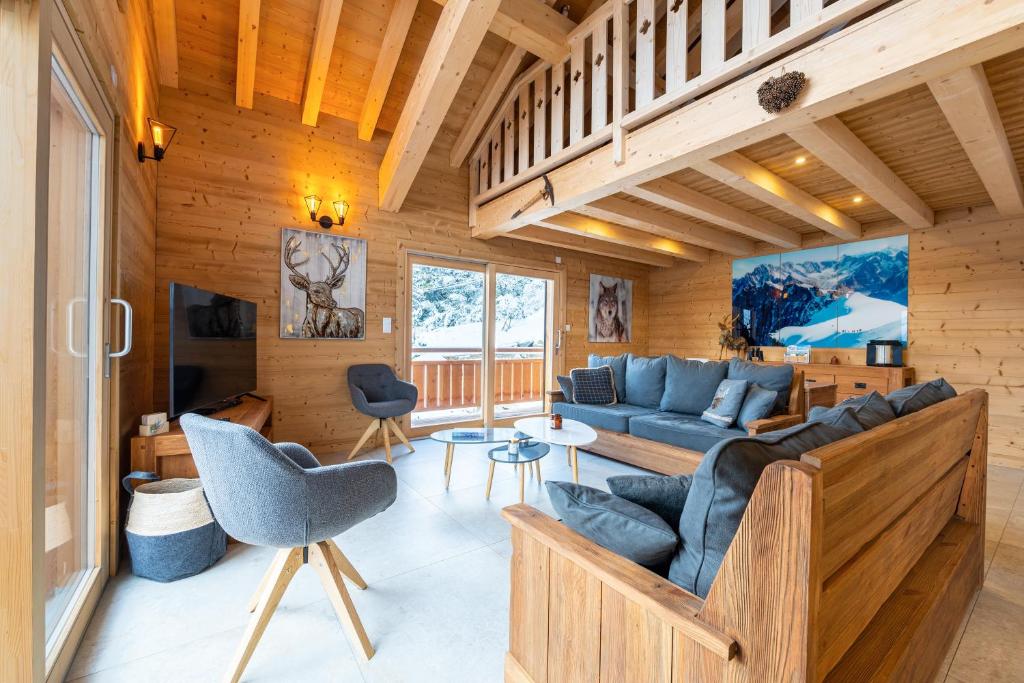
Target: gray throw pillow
726	404
625	528
919	396
691	384
661	494
721	489
618	366
871	410
775	377
565	384
645	380
593	386
757	404
843	417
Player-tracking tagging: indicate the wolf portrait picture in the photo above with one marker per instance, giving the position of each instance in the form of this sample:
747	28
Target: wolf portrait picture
323	286
611	309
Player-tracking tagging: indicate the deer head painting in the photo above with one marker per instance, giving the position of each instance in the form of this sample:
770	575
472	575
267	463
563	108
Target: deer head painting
323	286
611	309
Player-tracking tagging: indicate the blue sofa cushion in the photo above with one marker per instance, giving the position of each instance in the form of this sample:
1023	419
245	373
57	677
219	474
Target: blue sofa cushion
871	410
615	523
726	404
614	418
565	384
661	494
645	380
843	417
757	404
919	396
691	384
775	377
685	431
593	386
721	488
618	366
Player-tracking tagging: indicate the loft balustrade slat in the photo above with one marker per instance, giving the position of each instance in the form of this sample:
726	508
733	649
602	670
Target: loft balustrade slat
757	19
557	107
496	156
509	133
712	36
523	126
540	109
676	42
645	30
577	88
599	76
620	78
802	10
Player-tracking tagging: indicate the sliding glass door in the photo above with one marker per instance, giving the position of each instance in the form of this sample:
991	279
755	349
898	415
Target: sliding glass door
480	340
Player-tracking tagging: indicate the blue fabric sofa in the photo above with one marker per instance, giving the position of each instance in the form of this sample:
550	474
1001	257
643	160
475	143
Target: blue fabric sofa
656	422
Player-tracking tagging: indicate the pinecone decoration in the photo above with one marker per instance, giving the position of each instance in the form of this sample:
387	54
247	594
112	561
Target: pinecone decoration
778	92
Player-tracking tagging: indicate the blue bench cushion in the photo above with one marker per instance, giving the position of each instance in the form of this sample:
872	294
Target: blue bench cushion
775	377
690	384
614	418
618	366
685	431
919	396
645	380
871	410
721	488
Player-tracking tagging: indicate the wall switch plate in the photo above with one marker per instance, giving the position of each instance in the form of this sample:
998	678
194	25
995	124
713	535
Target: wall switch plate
387	325
568	327
558	260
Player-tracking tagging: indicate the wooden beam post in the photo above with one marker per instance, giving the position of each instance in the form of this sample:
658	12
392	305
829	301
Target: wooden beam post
966	99
248	41
583	243
617	234
837	147
320	59
165	25
533	26
390	50
459	32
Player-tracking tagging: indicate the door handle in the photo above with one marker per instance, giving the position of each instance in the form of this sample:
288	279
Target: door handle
126	348
70	325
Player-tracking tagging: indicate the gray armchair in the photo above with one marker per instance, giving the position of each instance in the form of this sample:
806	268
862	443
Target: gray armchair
279	495
377	392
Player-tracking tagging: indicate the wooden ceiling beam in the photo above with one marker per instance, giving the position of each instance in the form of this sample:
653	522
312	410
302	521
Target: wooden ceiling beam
740	173
564	240
859	64
506	69
667	225
604	231
457	37
677	197
842	151
248	42
387	59
966	100
533	26
320	59
165	23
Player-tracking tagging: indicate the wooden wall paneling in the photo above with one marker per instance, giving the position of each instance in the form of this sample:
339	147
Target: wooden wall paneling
395	34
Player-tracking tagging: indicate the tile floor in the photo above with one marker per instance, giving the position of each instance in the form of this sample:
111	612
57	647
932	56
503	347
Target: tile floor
437	605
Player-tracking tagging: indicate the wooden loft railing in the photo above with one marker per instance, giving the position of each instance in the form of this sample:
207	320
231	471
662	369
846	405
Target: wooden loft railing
610	80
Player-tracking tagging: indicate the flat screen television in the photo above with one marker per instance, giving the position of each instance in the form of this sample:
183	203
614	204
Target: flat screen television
212	349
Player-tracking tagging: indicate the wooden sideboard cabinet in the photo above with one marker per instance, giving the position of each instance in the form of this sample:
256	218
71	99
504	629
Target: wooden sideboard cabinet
855	380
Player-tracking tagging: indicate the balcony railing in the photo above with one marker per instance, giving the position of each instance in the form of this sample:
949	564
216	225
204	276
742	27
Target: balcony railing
622	71
455	383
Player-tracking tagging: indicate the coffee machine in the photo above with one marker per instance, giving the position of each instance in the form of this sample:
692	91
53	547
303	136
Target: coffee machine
885	353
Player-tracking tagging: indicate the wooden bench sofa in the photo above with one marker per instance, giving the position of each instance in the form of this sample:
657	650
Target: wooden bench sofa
856	563
669	459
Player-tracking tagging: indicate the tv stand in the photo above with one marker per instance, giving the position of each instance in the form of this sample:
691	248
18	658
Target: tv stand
220	407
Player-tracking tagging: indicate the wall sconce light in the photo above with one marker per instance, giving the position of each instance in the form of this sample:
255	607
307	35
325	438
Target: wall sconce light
340	209
162	134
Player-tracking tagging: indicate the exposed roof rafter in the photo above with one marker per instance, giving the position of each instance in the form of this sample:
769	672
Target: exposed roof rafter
390	50
320	59
576	224
564	240
248	42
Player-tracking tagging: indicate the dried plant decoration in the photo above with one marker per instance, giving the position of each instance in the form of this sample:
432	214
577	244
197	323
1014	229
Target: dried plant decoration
727	338
778	92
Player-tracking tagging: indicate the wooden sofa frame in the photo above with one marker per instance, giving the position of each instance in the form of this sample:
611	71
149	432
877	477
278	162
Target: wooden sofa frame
668	459
856	563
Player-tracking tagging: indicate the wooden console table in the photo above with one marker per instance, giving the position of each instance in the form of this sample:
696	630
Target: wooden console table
168	454
854	380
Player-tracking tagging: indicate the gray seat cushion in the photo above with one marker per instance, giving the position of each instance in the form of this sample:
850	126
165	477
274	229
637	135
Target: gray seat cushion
757	404
614	418
843	417
871	410
645	380
661	494
625	528
919	396
690	384
721	488
685	431
618	366
775	377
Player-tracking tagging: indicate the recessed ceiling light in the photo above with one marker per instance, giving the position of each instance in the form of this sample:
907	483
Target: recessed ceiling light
858	199
801	160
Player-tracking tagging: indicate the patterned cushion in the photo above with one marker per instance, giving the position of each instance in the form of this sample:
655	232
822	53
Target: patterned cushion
618	366
593	386
726	404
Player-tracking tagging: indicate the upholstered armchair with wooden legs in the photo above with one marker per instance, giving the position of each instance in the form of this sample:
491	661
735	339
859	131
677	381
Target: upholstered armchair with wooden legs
377	392
280	496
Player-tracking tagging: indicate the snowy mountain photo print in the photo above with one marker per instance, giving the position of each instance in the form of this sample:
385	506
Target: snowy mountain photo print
830	297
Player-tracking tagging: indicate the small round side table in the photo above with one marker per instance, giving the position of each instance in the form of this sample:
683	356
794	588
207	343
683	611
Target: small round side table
528	456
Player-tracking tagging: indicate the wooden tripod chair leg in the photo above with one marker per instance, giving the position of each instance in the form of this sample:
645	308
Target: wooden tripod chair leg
401	435
370	431
345	566
322	559
254	601
282	569
387	440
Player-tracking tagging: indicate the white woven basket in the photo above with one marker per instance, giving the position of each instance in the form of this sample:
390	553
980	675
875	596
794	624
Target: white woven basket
167	507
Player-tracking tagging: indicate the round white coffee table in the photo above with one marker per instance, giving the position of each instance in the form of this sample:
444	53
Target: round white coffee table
571	435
